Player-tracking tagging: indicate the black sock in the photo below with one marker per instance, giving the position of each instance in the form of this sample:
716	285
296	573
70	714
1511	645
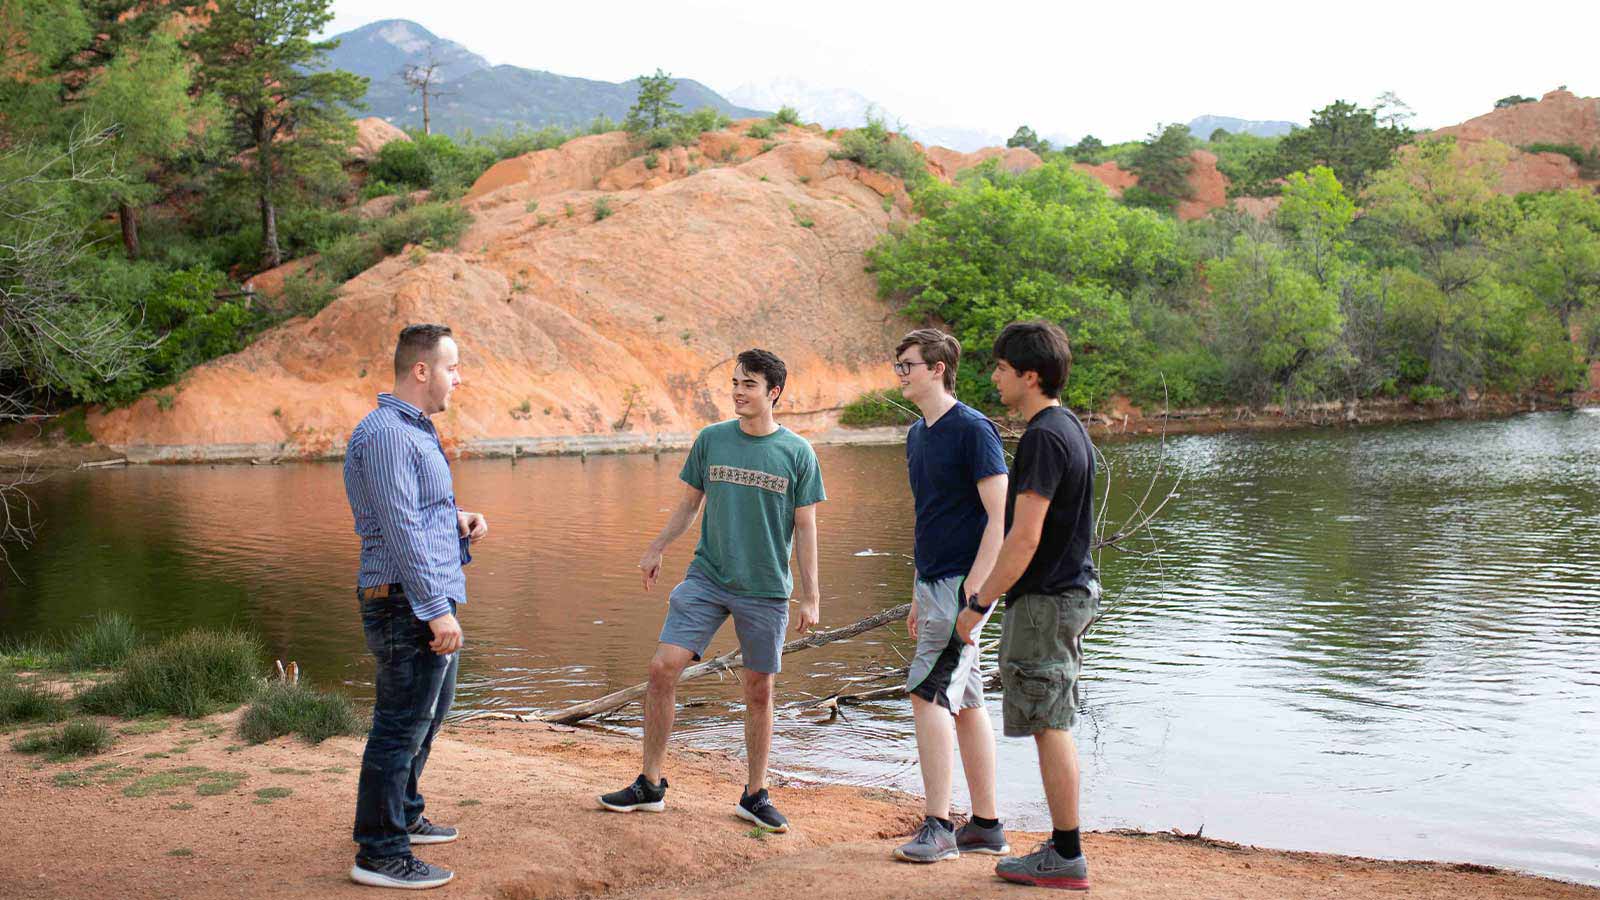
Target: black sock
948	825
1066	843
981	822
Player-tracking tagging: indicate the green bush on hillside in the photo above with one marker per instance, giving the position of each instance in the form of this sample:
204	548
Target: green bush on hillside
888	407
873	145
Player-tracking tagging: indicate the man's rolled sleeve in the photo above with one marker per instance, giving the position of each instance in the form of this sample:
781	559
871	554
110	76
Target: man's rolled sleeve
393	488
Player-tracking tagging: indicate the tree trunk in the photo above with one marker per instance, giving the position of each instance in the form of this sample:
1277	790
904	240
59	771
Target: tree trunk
426	129
271	256
129	217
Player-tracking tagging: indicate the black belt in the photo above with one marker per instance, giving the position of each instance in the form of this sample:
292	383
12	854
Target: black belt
378	592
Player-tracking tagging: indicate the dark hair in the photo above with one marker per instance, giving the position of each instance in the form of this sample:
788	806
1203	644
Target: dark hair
768	365
1037	346
936	347
416	344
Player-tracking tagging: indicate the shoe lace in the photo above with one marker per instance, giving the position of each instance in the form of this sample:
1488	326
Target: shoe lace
926	833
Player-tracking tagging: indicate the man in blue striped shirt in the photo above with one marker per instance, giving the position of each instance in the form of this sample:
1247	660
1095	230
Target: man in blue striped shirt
413	543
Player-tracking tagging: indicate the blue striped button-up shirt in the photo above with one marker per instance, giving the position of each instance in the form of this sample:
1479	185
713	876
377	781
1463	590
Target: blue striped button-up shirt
398	482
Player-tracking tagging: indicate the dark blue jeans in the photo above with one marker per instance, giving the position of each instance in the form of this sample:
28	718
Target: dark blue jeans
415	687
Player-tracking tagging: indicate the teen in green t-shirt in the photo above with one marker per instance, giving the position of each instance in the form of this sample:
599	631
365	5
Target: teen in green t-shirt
759	483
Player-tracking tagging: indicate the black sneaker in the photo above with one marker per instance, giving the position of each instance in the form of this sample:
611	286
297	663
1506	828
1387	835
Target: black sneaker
406	872
641	796
425	832
758	809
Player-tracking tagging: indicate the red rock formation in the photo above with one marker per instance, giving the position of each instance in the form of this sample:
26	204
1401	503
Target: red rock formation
563	318
1559	117
1208	187
945	163
371	134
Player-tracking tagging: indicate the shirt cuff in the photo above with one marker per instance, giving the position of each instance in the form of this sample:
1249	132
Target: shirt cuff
429	610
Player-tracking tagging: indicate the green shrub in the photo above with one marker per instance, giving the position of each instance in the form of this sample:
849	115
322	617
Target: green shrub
21	701
102	644
1588	160
873	145
428	224
307	293
602	208
762	130
878	408
652	160
1427	393
194	674
80	738
283	708
787	115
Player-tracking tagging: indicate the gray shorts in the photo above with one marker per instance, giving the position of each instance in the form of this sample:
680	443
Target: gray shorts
1041	654
698	606
945	668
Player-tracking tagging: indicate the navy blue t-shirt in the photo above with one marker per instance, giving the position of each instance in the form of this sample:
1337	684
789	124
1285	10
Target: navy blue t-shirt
945	463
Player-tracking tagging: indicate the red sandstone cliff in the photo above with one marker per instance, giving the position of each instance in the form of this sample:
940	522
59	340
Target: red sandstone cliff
566	322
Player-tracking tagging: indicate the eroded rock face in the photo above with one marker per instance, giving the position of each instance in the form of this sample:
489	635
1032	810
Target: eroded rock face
371	134
1208	187
566	321
1560	117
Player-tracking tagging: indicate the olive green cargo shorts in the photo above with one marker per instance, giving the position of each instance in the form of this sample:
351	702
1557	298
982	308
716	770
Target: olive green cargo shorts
1041	653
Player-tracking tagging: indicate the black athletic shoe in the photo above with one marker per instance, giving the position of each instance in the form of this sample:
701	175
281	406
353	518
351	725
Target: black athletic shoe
758	809
425	832
641	796
406	872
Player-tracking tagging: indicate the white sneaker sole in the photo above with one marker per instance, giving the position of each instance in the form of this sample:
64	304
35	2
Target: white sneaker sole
378	879
985	851
433	838
749	816
657	806
905	857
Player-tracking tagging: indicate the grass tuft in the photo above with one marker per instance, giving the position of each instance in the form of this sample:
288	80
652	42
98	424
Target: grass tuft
194	674
315	715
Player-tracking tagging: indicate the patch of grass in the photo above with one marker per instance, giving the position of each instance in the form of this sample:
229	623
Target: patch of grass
105	642
270	794
876	408
180	851
21	701
602	208
787	115
873	145
191	675
73	779
804	221
290	770
762	130
652	160
757	833
207	782
30	656
531	206
146	726
74	426
182	806
336	770
570	210
470	803
300	709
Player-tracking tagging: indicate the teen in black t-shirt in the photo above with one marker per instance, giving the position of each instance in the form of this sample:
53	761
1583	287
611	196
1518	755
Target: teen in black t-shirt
1048	578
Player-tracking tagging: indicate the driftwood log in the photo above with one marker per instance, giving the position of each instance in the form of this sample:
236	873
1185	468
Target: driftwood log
727	662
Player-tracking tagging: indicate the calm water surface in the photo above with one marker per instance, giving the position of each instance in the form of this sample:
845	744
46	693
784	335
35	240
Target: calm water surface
1381	642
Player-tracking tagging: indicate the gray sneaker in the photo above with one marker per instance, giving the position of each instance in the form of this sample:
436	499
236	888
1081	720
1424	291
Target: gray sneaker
404	872
972	838
932	843
1045	867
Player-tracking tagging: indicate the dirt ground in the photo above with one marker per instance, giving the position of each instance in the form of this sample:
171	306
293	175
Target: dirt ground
184	809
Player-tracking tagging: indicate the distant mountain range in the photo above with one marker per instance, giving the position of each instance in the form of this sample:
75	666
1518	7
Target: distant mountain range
479	97
482	98
1203	126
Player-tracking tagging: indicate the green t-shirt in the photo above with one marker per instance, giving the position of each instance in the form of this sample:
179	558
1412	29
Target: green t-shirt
753	486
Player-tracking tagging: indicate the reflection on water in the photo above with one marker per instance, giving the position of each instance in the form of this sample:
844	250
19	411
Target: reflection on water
1380	641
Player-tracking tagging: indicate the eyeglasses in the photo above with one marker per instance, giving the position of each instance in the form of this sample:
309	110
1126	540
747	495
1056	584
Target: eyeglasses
904	368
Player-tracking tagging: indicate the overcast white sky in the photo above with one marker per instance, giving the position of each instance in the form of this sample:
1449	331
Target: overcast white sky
1110	69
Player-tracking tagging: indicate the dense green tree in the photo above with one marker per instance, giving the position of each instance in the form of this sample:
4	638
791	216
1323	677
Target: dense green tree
1026	137
1347	139
258	57
1315	214
654	107
1163	165
1512	100
1088	149
1554	251
1046	243
1249	161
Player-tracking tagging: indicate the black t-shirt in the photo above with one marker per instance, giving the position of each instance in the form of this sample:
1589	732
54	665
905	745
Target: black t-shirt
1055	460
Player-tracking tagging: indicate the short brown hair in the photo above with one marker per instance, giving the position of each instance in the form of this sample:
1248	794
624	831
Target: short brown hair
416	344
936	347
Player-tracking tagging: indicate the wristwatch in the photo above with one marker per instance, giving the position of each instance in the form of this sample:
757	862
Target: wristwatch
975	606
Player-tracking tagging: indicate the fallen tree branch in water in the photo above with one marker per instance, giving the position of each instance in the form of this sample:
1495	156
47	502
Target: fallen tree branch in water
727	662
